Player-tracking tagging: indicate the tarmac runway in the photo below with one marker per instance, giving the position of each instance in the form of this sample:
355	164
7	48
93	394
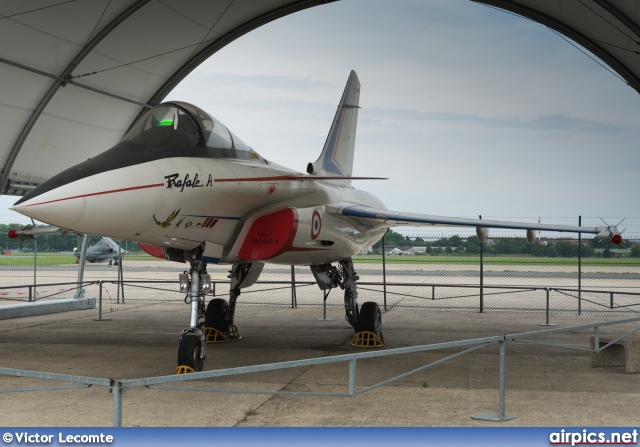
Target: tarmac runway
545	386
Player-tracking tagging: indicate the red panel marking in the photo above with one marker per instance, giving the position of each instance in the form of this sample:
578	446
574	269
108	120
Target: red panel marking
269	235
153	250
100	193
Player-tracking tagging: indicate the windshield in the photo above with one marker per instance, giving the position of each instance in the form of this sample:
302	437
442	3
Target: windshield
180	124
164	125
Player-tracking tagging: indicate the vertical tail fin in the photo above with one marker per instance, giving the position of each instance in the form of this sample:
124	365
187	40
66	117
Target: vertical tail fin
337	155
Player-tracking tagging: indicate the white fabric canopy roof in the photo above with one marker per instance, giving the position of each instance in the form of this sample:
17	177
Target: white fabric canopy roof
76	74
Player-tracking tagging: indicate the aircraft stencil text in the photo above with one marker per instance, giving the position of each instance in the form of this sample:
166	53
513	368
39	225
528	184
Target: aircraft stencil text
174	181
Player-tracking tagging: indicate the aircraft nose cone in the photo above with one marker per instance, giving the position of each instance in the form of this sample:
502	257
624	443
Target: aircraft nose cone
56	207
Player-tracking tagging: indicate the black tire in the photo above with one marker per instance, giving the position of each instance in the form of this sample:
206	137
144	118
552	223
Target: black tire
189	352
370	318
216	315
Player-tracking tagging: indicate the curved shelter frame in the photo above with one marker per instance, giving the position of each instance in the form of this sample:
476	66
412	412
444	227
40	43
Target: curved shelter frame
76	75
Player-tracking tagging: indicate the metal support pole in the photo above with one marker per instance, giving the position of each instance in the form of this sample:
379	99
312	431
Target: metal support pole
433	292
324	310
481	275
503	378
81	261
294	298
501	416
120	271
30	293
118	287
117	391
100	304
611	300
547	311
352	377
35	265
579	267
384	273
325	294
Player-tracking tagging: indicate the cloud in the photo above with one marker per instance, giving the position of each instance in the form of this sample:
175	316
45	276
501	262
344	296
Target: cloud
548	122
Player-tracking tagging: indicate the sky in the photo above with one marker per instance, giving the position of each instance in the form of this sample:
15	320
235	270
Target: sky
466	109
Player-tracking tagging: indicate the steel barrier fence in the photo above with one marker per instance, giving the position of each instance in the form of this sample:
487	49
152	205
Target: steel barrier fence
426	270
451	297
117	387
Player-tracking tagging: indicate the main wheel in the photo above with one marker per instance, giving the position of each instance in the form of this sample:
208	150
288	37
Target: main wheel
189	352
216	315
370	318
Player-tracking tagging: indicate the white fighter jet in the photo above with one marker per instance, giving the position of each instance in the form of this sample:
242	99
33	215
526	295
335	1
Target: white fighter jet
181	181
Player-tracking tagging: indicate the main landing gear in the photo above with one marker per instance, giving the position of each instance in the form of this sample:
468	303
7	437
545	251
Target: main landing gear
367	320
211	325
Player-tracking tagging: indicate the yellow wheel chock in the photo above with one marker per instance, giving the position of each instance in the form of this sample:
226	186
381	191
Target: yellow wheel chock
215	336
183	369
366	339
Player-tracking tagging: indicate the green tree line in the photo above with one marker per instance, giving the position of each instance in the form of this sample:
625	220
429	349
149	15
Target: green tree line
593	247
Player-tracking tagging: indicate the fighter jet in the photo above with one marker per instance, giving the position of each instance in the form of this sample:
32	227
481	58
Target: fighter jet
190	190
104	250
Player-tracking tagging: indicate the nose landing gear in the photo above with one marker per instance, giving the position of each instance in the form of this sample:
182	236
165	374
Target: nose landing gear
192	340
215	324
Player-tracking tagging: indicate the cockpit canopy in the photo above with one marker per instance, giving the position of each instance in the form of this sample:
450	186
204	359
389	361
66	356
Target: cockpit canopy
179	124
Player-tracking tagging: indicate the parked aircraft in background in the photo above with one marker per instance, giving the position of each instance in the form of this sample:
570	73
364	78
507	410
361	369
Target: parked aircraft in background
191	191
104	250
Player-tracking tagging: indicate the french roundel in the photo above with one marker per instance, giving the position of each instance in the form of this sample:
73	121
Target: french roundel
316	224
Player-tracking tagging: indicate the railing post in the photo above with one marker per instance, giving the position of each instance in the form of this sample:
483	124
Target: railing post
352	377
481	275
120	272
35	264
100	304
503	379
610	300
501	416
547	311
30	294
117	391
294	298
384	273
579	267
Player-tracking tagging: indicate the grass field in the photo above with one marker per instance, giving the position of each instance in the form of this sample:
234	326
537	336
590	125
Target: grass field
48	259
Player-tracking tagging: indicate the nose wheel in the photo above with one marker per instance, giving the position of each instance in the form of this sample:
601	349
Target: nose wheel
190	355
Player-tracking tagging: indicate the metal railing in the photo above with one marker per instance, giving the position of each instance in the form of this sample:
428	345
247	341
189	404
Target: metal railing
117	387
423	295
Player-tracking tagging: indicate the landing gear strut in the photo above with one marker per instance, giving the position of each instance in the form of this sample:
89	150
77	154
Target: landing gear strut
192	341
366	320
